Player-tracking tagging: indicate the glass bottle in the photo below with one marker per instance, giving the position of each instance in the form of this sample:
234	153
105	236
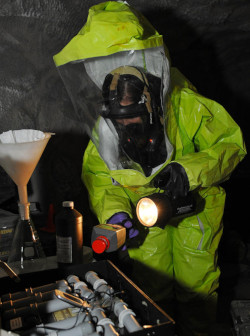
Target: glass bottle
69	235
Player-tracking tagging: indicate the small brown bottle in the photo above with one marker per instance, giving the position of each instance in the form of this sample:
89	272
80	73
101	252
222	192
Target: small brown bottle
69	235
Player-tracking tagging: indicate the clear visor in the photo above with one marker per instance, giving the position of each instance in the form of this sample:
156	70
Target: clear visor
84	81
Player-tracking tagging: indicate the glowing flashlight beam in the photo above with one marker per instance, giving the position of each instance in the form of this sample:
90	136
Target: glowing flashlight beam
147	212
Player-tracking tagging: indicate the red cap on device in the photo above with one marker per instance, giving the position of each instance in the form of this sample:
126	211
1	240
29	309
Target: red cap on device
100	245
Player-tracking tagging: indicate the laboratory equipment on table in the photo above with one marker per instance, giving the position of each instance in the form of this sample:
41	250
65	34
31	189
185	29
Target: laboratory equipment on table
20	151
69	235
102	301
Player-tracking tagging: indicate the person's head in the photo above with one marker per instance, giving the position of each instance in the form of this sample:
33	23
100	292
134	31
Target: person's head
126	94
129	92
129	102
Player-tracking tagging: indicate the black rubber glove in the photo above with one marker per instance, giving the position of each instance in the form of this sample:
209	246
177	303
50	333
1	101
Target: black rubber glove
173	179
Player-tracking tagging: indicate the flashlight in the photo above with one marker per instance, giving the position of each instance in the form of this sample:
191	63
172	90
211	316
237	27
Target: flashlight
158	209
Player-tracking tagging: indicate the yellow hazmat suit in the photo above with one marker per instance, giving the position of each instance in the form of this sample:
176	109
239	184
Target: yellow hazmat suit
180	261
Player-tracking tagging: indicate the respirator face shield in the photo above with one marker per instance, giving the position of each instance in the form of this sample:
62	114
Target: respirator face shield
132	107
99	103
133	137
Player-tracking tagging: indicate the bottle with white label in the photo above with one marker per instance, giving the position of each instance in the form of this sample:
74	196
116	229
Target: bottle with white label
69	235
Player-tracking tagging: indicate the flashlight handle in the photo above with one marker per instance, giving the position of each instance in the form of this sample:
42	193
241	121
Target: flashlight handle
183	205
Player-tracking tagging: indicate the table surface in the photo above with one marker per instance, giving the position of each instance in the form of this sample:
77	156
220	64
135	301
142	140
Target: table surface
42	264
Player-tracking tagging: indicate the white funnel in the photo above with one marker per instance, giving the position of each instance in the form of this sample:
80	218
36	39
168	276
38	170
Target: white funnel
20	152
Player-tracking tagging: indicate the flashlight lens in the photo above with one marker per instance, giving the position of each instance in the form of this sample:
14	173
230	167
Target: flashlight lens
147	212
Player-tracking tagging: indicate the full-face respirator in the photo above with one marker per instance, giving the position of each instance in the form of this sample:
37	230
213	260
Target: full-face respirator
130	102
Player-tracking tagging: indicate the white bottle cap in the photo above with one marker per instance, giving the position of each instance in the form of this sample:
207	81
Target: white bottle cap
68	204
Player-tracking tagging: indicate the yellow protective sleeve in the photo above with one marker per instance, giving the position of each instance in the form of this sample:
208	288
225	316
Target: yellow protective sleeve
208	142
105	198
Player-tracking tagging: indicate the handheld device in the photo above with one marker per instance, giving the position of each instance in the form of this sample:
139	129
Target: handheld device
107	237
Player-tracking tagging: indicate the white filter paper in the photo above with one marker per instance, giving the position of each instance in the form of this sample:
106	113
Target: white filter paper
21	136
